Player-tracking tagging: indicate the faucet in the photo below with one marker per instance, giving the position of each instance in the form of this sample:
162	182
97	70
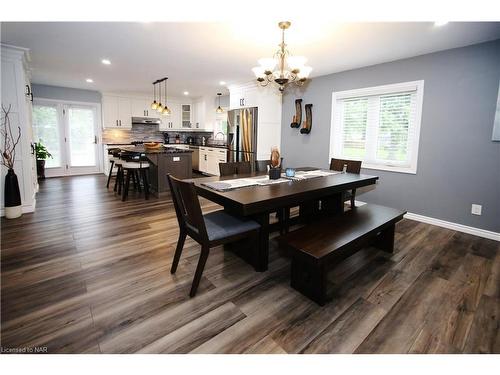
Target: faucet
223	135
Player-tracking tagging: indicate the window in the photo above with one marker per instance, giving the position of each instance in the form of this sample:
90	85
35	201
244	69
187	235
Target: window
378	125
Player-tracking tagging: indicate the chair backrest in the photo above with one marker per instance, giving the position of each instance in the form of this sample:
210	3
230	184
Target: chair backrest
236	167
261	165
353	166
187	208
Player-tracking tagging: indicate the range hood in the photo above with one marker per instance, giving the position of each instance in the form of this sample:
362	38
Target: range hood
145	121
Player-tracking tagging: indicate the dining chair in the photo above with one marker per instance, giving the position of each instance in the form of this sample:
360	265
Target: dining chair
209	230
262	165
352	166
236	167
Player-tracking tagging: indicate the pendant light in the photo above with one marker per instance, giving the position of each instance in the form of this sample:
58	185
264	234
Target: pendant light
154	105
219	108
159	109
166	110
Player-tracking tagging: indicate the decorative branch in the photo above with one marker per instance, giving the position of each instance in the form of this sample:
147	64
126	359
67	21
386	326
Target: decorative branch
10	142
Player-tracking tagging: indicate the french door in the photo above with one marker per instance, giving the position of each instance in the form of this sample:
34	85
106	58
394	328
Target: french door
69	131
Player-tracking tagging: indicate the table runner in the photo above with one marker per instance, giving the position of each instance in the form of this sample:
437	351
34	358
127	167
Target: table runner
238	183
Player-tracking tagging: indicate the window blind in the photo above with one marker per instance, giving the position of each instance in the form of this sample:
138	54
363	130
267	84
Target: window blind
379	128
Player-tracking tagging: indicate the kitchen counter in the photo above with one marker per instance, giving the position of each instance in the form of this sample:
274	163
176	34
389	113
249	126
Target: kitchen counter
196	145
164	161
161	150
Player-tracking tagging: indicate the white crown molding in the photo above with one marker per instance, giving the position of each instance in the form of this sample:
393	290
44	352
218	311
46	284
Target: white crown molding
449	225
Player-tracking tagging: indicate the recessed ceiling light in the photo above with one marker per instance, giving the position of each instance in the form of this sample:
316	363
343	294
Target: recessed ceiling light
106	62
89	80
440	23
186	92
222	83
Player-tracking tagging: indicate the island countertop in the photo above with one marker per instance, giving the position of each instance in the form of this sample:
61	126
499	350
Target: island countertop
163	161
161	150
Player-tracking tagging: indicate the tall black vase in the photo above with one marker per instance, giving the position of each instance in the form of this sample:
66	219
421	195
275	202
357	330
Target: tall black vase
12	197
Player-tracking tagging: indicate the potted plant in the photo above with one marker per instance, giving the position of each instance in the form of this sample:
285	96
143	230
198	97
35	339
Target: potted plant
12	195
42	154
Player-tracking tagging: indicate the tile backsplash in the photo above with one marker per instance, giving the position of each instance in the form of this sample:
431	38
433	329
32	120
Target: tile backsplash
147	133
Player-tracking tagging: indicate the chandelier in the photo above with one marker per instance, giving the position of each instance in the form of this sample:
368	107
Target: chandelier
163	110
282	68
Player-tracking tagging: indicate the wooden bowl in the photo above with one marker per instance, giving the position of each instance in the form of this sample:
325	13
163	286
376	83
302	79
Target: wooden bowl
152	145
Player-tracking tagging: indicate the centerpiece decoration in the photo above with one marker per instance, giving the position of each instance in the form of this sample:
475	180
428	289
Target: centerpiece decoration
275	167
12	197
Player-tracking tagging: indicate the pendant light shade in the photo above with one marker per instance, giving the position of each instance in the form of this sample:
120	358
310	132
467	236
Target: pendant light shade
154	105
219	108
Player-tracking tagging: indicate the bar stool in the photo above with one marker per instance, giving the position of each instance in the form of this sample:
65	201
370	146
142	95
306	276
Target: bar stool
136	168
114	161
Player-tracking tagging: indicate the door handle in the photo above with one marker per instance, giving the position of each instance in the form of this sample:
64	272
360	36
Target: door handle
95	139
116	122
120	122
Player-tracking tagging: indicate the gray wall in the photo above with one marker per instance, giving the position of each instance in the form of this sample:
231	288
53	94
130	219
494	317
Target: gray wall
458	163
66	93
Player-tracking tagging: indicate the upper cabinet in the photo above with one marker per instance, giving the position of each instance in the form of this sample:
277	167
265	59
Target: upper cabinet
116	112
142	108
268	102
241	97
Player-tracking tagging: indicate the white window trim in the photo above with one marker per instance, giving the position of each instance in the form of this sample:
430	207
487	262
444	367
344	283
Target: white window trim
382	90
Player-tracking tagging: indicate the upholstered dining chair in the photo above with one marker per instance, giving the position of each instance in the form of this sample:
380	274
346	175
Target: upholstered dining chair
262	165
352	166
236	167
213	229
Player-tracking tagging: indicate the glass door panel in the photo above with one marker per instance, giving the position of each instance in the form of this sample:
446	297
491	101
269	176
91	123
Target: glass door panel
82	137
47	129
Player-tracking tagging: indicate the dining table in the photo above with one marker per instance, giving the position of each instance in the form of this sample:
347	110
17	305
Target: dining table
258	202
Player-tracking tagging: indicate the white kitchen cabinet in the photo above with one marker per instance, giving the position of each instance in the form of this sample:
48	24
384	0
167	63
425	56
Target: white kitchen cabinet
186	121
142	108
172	122
243	97
116	112
210	157
203	163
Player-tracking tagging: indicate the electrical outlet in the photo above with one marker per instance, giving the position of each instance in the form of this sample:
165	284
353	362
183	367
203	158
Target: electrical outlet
476	209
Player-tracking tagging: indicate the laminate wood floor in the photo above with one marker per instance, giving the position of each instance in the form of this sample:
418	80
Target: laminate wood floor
88	273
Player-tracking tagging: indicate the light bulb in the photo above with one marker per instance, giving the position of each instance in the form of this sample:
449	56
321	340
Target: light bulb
219	110
154	105
304	72
165	111
159	109
259	72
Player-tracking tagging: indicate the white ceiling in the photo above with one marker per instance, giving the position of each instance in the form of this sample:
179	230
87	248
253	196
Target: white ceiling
196	56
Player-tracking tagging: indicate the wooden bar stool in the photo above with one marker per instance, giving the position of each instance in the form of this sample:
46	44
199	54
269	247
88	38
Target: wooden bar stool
114	160
135	170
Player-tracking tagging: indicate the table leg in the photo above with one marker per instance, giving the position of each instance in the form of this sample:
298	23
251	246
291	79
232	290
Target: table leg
333	204
262	256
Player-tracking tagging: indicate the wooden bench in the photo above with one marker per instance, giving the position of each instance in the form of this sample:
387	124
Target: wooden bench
319	246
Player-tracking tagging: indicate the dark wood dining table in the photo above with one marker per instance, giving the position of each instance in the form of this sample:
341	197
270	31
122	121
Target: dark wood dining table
258	202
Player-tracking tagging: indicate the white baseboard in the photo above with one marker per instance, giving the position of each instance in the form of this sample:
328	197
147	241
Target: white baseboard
449	225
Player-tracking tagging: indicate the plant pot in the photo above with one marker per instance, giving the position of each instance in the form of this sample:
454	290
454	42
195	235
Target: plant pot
274	173
40	168
13	208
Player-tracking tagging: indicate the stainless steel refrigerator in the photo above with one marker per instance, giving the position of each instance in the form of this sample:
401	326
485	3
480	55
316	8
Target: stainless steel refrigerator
242	134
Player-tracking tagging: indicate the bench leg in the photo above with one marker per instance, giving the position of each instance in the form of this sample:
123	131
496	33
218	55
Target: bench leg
385	239
310	280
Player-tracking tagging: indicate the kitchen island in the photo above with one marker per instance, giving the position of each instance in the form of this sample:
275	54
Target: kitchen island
163	161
